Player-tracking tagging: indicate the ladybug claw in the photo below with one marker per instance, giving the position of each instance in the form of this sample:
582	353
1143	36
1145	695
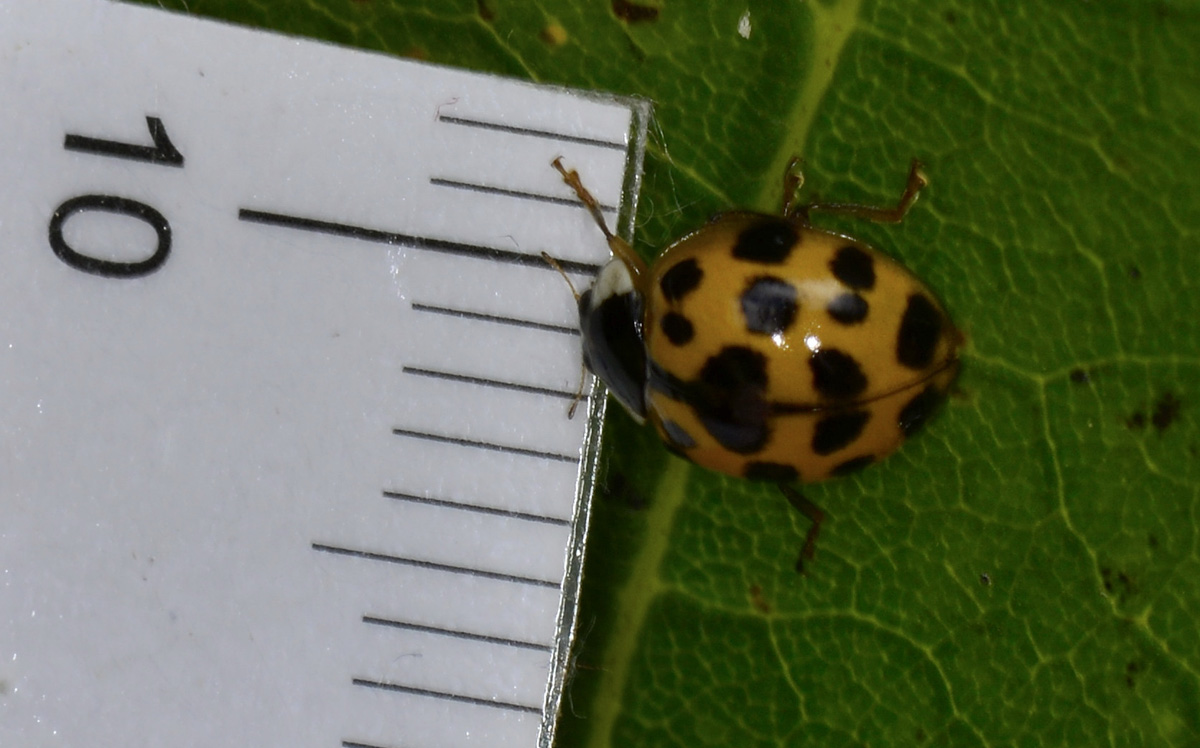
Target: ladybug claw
814	514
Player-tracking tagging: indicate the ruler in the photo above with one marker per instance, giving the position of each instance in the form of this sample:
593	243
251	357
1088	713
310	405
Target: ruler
284	453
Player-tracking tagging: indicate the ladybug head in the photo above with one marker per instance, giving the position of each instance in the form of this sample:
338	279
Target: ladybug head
614	349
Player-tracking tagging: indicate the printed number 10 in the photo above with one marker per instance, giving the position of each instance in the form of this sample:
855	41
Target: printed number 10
162	153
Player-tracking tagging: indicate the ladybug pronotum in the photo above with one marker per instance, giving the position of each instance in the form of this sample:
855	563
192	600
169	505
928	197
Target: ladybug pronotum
765	348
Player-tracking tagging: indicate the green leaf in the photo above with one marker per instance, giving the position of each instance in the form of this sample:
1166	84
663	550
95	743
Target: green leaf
1027	571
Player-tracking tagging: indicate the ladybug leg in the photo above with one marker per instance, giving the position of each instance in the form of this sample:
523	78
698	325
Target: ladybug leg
916	182
555	264
578	398
620	248
793	180
814	514
583	371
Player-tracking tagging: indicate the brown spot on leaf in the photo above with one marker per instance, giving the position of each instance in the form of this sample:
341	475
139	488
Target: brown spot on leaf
485	11
1079	376
554	34
632	12
757	599
1166	410
1126	582
1118	583
1136	422
1133	668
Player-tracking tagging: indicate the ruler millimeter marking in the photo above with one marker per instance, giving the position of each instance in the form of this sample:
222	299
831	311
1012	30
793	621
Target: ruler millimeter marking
401	496
284	455
417	242
616	144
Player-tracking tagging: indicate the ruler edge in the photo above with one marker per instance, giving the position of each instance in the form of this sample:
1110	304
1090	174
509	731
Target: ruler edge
567	621
639	105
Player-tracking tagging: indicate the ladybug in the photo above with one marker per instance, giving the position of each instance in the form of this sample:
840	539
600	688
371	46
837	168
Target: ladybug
764	348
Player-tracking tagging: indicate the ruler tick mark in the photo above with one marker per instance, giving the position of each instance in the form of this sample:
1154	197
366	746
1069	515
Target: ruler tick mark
544	134
444	246
460	442
447	696
554	199
372	620
508	513
563	329
465	379
432	565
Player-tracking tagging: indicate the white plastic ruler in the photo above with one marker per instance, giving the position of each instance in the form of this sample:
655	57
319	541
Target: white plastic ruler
284	454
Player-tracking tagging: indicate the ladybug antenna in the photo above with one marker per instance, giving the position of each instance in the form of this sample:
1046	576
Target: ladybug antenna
574	182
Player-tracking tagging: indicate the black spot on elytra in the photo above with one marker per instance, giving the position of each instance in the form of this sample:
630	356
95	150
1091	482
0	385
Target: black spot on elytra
677	437
769	242
920	329
848	308
836	375
677	328
838	431
1166	410
730	399
918	410
769	305
680	280
773	471
853	465
854	267
659	379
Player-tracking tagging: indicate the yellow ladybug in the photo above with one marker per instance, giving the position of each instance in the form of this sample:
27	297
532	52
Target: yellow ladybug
764	348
